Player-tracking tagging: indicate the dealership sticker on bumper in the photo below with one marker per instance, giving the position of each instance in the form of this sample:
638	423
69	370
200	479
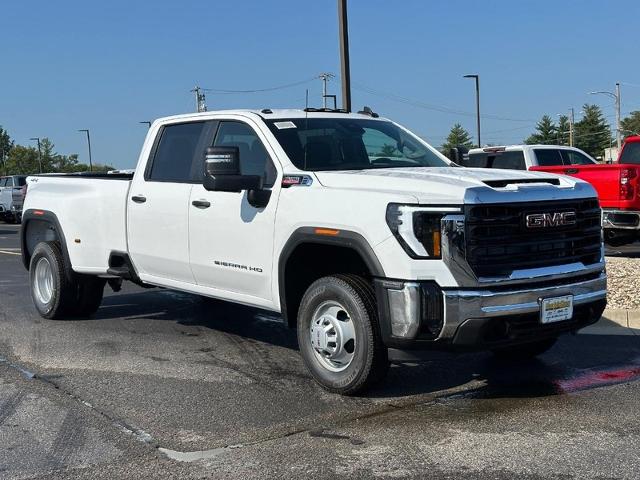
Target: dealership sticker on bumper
556	309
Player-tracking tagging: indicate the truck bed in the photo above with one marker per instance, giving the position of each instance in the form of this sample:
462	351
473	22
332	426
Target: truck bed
90	207
608	181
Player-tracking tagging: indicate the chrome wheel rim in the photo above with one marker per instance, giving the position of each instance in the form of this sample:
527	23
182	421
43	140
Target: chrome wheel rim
333	336
43	281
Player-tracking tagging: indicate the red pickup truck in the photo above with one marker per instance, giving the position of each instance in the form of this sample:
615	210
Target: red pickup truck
618	184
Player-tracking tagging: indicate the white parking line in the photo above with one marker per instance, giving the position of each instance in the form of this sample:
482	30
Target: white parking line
9	253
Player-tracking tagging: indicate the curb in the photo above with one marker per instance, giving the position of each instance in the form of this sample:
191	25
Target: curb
616	322
622	317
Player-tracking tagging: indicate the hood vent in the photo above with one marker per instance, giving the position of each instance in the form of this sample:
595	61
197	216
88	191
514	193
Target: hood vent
504	183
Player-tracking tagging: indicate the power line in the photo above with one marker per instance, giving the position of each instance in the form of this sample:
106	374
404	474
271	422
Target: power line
429	106
259	90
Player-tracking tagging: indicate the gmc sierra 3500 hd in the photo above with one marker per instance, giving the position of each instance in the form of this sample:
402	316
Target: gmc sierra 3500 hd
362	235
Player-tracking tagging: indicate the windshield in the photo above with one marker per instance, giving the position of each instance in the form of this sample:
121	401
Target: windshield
350	144
630	153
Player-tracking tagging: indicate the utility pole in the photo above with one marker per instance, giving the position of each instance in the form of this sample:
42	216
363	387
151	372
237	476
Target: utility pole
572	122
325	77
345	70
201	105
37	139
477	79
618	128
89	143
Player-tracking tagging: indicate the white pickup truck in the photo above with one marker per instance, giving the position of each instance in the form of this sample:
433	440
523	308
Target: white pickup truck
363	236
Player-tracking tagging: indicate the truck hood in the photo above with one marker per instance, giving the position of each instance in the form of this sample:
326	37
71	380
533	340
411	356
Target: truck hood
437	185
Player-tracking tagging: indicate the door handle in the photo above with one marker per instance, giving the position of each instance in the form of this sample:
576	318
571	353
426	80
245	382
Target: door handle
571	171
201	204
139	198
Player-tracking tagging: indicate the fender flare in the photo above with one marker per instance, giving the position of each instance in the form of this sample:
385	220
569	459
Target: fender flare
44	216
308	235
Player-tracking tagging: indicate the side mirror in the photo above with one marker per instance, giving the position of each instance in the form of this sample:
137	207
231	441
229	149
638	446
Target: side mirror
458	154
222	171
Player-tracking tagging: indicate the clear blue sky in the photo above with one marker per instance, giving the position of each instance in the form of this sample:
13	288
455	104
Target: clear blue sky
108	65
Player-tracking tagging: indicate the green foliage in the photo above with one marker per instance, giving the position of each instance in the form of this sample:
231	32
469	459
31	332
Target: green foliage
457	136
546	133
389	151
23	160
592	132
631	125
563	130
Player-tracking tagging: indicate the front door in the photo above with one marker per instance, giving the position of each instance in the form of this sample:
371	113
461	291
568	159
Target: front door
230	241
158	204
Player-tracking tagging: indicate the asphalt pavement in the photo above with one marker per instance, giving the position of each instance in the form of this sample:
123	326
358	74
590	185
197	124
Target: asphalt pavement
160	384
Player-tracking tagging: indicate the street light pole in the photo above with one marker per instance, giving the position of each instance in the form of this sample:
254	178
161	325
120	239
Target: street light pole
618	129
147	123
477	79
343	27
37	139
616	97
89	143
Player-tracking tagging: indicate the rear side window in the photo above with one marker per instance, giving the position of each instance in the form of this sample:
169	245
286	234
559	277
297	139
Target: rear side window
180	151
548	157
630	153
511	160
21	181
9	182
571	157
3	182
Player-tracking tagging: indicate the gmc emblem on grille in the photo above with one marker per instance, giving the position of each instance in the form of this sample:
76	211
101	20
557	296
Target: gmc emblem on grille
555	219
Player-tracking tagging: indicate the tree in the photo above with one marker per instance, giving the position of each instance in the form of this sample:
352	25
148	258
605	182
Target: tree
457	136
6	144
631	125
546	132
563	130
389	151
592	133
22	161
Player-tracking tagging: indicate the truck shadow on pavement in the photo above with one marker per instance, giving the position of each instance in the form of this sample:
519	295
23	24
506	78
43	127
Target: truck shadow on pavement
576	362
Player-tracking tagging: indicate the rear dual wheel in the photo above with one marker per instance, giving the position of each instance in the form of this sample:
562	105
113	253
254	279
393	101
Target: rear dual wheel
58	292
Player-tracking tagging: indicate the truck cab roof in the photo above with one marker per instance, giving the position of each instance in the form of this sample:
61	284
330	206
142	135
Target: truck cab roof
271	114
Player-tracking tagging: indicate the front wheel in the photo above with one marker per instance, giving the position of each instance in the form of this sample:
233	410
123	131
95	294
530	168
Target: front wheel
526	351
339	336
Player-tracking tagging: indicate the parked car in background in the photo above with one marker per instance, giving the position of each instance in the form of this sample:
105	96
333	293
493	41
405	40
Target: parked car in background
617	184
12	192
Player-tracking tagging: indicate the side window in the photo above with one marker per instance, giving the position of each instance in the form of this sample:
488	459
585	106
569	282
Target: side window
3	182
510	160
571	157
254	159
548	157
181	146
9	182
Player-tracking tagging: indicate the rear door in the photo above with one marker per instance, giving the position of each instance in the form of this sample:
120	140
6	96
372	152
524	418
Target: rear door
231	241
5	193
158	203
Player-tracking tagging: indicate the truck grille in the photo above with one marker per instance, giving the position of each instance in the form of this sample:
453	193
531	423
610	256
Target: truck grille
499	242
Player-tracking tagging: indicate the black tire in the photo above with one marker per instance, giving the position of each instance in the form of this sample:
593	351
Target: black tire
89	294
526	351
370	362
63	291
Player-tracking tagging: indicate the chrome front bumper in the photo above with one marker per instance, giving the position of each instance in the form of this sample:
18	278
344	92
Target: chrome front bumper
420	314
462	305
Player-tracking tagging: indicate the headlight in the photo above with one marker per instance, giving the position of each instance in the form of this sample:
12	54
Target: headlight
417	229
